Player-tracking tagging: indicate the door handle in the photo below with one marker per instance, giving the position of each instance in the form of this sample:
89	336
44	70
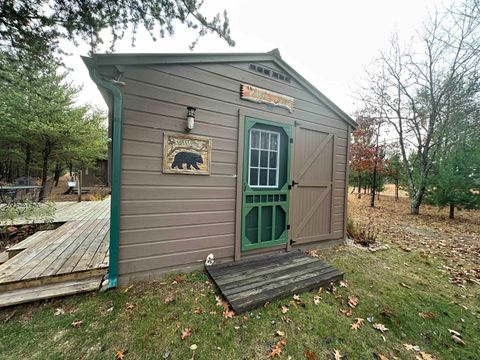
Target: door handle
294	183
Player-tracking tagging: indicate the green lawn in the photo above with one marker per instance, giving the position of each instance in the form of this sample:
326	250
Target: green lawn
140	324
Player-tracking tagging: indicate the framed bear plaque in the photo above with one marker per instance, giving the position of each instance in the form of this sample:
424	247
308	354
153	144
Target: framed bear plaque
186	154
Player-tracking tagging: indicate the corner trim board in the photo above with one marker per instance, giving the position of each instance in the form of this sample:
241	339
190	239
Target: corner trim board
116	171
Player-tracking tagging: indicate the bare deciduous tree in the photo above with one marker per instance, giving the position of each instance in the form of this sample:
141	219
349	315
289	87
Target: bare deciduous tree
417	86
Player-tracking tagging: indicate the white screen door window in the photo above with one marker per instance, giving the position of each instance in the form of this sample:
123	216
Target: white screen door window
263	158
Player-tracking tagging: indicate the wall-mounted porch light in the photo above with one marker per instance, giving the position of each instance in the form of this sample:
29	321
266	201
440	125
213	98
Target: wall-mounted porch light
190	118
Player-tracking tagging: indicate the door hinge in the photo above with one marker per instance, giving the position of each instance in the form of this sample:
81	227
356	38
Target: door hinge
288	227
294	183
291	140
292	241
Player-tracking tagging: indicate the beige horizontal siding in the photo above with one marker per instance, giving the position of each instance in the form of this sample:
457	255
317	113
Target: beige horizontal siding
130	222
142	192
225	77
154	163
154	264
171	221
153	84
140	207
158	248
170	233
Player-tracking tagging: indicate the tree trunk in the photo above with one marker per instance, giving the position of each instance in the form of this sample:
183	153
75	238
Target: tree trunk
416	202
70	169
28	160
10	172
396	189
359	185
374	186
58	170
46	155
452	211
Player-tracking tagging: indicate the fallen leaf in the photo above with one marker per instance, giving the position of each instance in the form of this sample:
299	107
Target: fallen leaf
212	312
179	278
380	327
310	355
316	300
130	306
286	319
198	310
453	332
120	355
411	347
169	299
424	356
297	298
380	356
279	333
426	315
228	314
357	324
59	311
284	309
282	342
346	312
77	323
405	285
219	300
127	289
186	333
458	340
352	301
337	354
193	347
343	284
277	349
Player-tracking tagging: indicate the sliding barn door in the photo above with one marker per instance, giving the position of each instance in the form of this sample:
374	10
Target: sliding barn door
312	186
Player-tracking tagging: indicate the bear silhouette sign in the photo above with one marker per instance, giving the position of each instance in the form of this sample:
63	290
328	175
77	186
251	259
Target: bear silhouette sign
186	154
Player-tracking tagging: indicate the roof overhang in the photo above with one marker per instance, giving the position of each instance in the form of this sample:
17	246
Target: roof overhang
118	60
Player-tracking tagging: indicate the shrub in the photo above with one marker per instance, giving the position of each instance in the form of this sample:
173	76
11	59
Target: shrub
362	234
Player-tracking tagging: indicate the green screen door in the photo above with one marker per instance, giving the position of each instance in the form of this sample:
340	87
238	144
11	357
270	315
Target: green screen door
266	176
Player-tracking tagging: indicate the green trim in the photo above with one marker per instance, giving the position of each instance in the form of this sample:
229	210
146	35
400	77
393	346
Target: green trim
249	192
116	171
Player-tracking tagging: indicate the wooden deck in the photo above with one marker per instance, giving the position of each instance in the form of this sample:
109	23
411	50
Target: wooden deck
66	211
250	283
74	252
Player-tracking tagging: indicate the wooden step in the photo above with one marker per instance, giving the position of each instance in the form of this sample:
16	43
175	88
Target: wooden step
249	283
52	279
49	291
30	241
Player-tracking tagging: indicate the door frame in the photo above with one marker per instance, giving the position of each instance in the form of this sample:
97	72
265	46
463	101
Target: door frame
275	119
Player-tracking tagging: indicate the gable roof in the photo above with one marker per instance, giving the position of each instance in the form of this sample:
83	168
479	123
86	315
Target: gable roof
198	58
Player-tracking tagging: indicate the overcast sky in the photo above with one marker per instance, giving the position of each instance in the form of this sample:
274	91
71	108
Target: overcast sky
328	42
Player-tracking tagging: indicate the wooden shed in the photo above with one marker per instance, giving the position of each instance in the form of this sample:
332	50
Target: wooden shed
264	168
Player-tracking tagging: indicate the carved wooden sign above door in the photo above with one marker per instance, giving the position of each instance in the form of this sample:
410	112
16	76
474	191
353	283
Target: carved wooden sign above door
262	96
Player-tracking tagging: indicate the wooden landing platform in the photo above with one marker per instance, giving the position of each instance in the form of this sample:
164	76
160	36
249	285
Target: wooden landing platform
74	252
68	210
49	291
250	283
